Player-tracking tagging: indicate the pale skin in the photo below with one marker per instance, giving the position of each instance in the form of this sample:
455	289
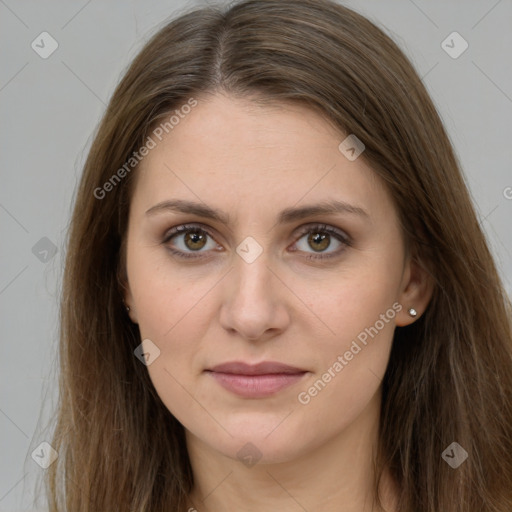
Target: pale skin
251	162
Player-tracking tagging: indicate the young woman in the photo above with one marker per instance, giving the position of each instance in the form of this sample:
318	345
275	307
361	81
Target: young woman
277	294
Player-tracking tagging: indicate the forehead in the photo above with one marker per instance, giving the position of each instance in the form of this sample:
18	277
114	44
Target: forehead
238	154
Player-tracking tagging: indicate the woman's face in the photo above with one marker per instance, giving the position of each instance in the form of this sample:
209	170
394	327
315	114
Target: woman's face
258	275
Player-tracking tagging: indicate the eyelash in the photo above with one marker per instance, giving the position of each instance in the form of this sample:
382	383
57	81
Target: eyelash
315	228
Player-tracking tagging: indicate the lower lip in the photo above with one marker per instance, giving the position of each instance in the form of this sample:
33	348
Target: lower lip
256	386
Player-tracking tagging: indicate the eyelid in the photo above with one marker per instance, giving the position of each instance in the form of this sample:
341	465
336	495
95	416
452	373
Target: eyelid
320	226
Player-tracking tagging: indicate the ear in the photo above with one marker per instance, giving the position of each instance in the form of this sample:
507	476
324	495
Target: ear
124	285
416	291
129	303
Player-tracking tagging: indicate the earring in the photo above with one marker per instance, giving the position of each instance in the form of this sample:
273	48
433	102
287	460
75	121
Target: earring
413	312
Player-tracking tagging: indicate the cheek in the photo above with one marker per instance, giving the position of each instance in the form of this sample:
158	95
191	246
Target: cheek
360	311
170	314
168	307
350	368
352	302
165	295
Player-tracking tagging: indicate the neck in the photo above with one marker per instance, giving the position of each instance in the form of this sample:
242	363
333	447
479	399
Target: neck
338	475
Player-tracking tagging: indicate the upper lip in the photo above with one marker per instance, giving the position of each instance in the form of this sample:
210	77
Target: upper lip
264	368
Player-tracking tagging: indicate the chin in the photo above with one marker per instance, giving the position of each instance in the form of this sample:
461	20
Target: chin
264	440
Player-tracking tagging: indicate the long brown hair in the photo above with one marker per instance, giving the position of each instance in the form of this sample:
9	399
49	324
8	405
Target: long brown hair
449	377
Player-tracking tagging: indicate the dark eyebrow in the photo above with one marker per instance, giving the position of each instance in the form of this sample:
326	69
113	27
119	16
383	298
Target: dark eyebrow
181	206
323	208
287	215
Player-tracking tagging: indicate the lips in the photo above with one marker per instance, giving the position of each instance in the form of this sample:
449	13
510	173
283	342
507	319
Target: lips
255	381
264	368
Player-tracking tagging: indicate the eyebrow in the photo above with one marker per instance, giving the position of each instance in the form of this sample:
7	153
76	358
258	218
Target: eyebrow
287	215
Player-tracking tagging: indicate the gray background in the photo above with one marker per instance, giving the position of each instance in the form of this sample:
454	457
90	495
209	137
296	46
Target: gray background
50	107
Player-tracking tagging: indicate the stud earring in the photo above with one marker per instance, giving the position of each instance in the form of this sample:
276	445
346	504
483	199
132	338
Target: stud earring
413	312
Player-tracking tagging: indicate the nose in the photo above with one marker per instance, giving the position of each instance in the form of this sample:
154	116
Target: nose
255	303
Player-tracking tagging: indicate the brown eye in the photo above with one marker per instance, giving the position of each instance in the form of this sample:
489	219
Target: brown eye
320	237
195	240
185	240
318	241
